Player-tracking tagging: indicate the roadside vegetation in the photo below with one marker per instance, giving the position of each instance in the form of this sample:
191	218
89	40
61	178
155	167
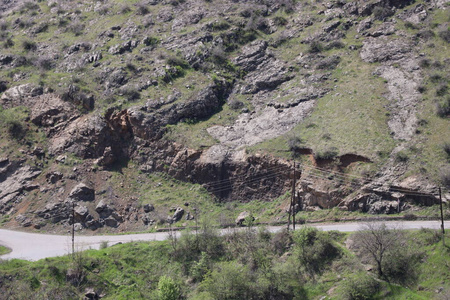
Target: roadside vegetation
246	264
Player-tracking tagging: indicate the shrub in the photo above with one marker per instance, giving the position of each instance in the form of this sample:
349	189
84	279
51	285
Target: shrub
445	35
235	104
410	25
280	21
426	34
104	245
425	63
442	89
77	28
294	144
313	249
125	9
329	153
445	146
315	47
360	286
230	280
150	41
142	9
443	108
329	63
421	89
176	61
104	9
3	87
167	289
3	25
436	77
131	93
29	45
8	43
410	217
445	176
381	13
220	25
401	156
335	45
390	251
44	63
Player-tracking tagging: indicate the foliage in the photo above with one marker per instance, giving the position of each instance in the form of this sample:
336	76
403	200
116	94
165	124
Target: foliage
390	251
445	35
360	286
315	47
314	250
329	153
14	121
167	289
381	12
152	271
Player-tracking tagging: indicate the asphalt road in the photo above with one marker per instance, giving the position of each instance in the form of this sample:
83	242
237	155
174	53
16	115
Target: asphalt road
35	246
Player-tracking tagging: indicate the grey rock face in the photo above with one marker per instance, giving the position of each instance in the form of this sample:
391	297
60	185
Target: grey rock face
14	180
49	110
18	93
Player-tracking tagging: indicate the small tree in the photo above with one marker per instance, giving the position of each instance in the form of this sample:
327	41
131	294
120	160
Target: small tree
378	242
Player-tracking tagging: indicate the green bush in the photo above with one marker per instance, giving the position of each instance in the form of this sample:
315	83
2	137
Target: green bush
313	249
445	35
360	286
14	121
315	47
443	107
329	153
401	156
231	281
29	45
167	289
381	13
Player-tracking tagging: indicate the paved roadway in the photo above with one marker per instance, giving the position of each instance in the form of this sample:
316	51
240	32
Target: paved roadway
35	246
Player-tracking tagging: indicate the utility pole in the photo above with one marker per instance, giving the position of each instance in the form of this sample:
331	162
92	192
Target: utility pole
73	229
442	217
293	202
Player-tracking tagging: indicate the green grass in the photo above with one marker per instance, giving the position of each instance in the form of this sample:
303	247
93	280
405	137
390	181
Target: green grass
4	250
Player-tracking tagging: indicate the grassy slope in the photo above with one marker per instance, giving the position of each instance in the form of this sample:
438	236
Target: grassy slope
133	270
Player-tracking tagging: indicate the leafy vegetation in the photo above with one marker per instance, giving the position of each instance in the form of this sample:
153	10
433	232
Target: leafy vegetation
250	264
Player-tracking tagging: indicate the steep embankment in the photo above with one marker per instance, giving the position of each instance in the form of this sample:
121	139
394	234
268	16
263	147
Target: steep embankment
102	100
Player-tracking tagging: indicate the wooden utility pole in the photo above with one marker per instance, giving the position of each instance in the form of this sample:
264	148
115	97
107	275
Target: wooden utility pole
73	229
291	204
293	200
442	216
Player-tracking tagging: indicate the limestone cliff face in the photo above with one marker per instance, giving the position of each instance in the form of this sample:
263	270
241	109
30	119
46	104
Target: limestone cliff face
221	94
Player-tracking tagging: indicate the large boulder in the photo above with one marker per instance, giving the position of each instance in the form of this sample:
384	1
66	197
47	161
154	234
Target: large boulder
242	217
178	214
82	192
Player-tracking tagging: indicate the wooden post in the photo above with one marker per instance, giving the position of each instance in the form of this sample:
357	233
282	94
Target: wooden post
442	217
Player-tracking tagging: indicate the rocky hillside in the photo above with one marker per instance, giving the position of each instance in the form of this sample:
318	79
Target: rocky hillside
130	111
